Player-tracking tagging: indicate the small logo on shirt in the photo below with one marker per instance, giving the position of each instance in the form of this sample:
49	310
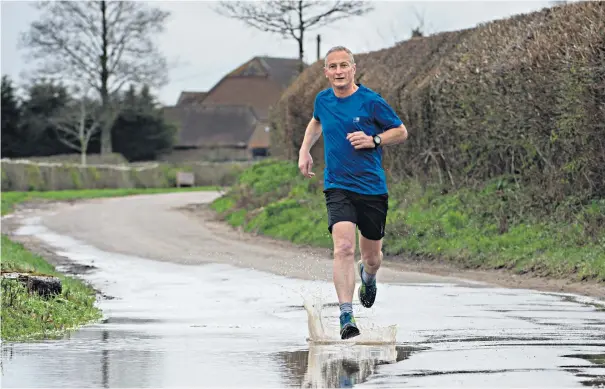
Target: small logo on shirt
356	119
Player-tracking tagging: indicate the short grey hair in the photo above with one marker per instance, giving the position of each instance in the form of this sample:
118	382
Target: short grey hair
339	48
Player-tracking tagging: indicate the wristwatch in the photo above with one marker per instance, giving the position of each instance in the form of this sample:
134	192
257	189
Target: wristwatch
377	141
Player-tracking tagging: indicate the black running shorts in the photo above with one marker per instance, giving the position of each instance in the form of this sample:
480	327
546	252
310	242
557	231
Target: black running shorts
368	212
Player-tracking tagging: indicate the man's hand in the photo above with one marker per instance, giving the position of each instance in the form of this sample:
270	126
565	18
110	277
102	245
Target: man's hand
305	163
360	140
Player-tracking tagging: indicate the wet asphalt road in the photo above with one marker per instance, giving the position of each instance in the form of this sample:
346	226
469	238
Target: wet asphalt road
228	321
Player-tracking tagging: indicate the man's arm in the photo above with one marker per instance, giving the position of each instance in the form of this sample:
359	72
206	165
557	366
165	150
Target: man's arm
312	134
385	117
393	136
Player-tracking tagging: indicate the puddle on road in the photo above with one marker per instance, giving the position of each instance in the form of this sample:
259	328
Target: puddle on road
214	325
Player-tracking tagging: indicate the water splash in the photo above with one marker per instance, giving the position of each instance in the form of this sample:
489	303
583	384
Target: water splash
322	333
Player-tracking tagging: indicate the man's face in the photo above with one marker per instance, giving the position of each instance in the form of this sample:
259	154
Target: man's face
339	70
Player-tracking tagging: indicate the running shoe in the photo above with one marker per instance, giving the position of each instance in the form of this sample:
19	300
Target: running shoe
348	327
366	292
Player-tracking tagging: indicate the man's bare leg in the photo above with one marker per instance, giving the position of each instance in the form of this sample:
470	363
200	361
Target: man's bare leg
343	274
371	254
343	236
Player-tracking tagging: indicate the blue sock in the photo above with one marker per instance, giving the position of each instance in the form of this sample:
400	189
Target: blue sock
368	278
346	307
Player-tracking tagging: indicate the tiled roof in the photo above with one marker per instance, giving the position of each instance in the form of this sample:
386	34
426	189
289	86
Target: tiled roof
191	97
259	93
258	83
207	126
282	70
261	137
228	113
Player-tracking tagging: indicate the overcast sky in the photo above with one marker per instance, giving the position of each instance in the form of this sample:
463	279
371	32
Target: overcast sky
206	46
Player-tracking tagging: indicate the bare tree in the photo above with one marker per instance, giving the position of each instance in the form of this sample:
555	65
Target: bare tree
418	31
77	123
292	18
106	43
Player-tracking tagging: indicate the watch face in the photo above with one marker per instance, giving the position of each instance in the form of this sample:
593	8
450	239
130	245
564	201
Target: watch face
377	139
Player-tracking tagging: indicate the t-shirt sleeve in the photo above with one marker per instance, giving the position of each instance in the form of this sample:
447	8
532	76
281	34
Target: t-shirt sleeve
384	115
315	109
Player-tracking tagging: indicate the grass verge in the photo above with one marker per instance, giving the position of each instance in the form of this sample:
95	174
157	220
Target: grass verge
483	228
27	316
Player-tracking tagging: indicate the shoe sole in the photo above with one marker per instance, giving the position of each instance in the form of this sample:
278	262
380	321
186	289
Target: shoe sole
361	300
348	332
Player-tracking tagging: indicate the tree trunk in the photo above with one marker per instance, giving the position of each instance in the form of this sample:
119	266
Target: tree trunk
301	38
107	125
83	144
301	54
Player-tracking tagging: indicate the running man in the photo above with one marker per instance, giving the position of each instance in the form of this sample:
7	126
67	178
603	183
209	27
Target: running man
356	123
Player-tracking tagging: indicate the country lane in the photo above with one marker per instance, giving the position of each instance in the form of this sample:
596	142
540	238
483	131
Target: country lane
188	302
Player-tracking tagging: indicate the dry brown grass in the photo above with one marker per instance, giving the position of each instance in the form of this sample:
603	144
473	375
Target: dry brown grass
522	98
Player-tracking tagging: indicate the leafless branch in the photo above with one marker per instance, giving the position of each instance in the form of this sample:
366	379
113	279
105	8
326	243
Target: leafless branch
69	41
419	29
77	123
291	18
103	44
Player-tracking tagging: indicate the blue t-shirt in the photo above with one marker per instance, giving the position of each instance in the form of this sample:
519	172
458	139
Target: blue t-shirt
360	170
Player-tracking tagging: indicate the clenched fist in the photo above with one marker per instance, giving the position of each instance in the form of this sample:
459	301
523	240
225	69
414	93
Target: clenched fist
360	140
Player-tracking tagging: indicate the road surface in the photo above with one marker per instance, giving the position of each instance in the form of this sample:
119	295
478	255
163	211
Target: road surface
192	303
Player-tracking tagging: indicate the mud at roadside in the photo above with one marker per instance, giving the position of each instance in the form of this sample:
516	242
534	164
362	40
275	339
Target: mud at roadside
493	277
34	245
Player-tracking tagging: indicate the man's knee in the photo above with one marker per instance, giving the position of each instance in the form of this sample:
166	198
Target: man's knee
344	250
371	251
372	257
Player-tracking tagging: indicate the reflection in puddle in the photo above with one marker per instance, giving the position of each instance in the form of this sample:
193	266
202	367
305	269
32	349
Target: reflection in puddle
337	366
598	359
129	320
89	357
589	379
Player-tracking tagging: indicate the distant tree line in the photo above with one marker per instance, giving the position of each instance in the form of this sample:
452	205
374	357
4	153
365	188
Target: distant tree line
49	119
